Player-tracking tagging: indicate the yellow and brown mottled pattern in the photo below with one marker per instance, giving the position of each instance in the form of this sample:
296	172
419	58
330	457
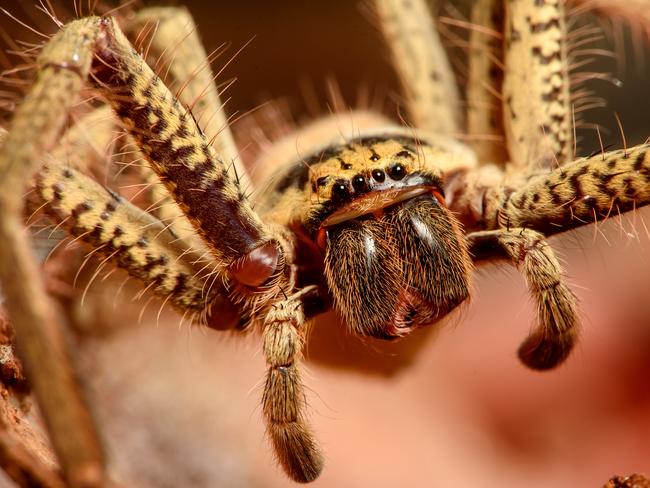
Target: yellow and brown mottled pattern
174	51
173	47
309	190
587	190
130	237
75	201
431	91
166	210
537	108
177	149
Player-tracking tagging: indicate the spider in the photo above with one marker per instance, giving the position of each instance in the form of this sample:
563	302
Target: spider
380	222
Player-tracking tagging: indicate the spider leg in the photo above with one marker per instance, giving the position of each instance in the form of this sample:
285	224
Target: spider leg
578	193
485	129
174	49
63	67
429	84
162	205
515	213
557	323
135	240
536	101
146	248
284	397
176	148
198	180
584	191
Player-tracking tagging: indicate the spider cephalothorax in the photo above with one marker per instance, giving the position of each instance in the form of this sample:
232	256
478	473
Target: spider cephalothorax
381	223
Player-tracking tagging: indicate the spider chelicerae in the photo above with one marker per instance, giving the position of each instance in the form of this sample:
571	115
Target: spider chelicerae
378	221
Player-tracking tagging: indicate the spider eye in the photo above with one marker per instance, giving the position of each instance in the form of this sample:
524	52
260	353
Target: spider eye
340	191
360	184
396	171
378	175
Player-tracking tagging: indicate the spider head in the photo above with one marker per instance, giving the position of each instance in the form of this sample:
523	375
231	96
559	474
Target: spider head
395	256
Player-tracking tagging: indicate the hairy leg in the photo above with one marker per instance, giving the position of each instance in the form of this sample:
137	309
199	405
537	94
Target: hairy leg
170	40
536	101
284	397
194	174
131	238
485	129
584	191
173	47
430	88
36	124
557	323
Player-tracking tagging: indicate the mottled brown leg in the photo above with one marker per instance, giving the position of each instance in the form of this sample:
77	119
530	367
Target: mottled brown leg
63	67
284	397
175	49
131	238
536	101
430	88
553	338
181	155
485	128
134	240
584	191
170	40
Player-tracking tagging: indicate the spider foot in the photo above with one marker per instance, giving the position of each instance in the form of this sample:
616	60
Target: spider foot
297	451
551	343
557	319
543	353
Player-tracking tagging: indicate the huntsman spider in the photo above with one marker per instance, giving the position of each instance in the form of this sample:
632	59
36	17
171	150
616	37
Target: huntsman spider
381	222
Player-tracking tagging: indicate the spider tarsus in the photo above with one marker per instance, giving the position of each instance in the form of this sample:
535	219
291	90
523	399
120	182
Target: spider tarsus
551	344
553	338
297	451
543	353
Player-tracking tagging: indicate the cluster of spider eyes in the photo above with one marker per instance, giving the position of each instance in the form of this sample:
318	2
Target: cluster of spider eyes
343	190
